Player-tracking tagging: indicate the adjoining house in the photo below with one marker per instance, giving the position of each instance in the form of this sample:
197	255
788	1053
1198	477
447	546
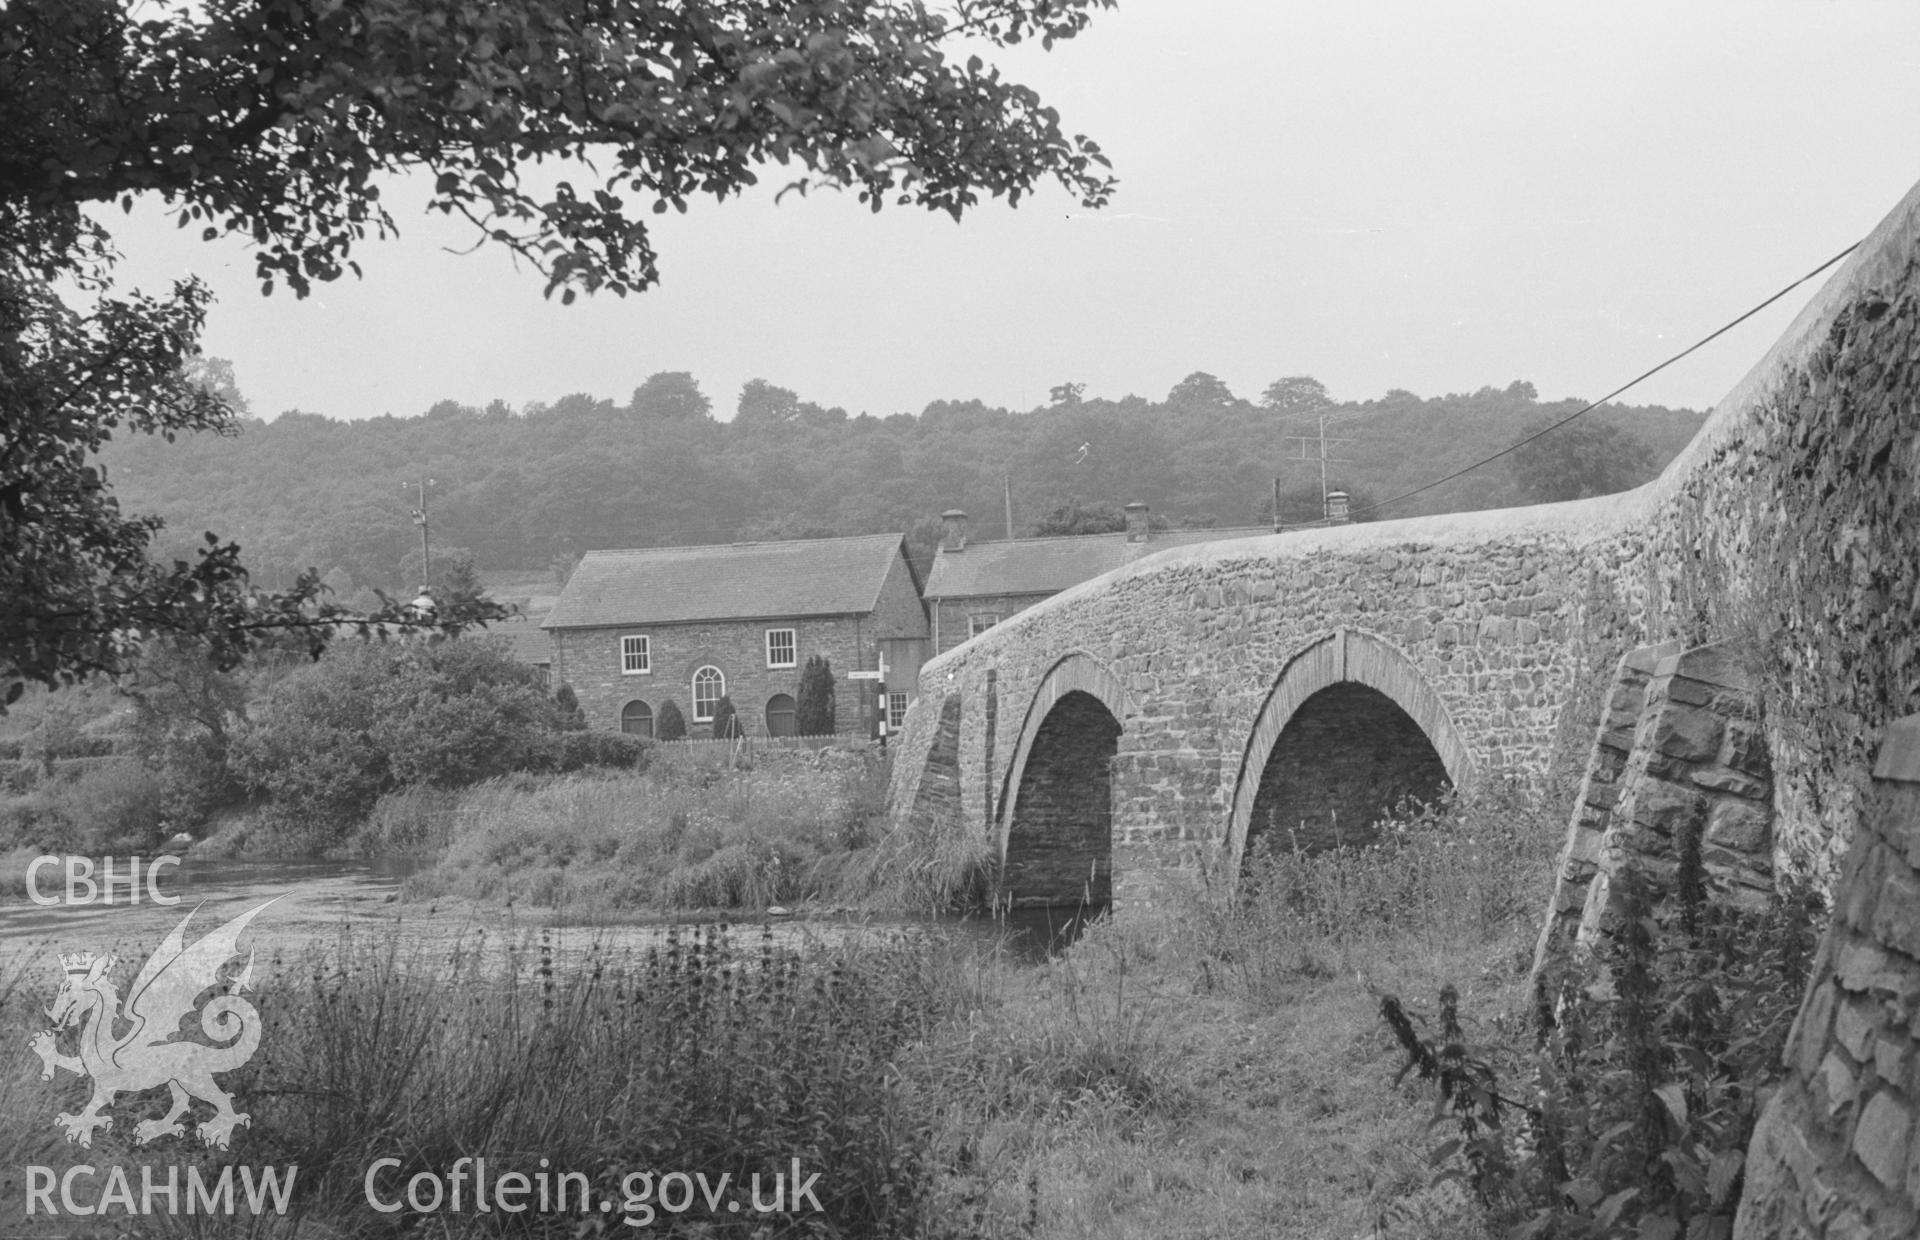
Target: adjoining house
524	641
634	630
975	585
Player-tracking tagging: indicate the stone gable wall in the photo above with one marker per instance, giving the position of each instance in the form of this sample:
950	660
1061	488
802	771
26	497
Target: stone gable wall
951	614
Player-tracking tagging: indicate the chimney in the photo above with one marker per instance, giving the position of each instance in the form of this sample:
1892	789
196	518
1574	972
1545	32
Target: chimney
1337	508
955	539
1136	522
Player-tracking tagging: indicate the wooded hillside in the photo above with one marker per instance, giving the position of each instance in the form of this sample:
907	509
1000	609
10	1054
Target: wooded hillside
532	488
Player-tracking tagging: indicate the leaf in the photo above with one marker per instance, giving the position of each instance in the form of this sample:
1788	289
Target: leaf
1721	1173
1658	1227
1674	1094
1582	1192
1610	1208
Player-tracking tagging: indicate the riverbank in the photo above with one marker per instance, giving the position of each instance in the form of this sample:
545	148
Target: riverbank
1212	1068
1152	1082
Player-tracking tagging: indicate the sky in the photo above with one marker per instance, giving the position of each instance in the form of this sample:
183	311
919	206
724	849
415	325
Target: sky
1381	194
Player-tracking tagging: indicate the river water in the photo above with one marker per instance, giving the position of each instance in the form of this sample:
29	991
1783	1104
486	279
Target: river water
320	905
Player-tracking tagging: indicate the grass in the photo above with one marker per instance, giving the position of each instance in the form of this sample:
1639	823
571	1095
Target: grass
1219	1070
681	836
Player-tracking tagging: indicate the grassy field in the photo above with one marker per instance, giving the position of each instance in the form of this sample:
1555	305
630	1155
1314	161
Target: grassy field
1217	1070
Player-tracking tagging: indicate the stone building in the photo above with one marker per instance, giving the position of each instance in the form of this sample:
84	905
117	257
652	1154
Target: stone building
975	585
634	630
522	639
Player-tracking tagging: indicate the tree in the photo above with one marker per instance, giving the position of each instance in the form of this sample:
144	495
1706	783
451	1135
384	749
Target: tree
763	404
669	724
1199	392
1066	394
1578	460
458	584
1295	395
813	707
671	396
726	721
1074	517
276	120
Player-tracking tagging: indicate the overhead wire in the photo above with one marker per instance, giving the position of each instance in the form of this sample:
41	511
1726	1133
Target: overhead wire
1548	430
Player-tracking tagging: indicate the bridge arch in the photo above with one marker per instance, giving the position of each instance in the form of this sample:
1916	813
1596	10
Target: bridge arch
1055	824
1352	671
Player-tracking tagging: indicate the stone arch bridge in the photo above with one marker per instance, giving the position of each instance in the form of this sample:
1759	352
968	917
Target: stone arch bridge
1134	733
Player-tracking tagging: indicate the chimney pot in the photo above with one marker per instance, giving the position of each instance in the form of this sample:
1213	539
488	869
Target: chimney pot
955	538
1136	522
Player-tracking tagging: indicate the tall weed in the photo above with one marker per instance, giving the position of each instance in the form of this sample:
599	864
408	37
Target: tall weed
678	837
1462	872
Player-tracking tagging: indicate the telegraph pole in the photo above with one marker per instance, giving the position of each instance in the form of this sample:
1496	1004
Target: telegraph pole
1321	441
420	519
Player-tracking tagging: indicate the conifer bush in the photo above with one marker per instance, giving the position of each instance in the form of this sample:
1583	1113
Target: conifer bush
813	712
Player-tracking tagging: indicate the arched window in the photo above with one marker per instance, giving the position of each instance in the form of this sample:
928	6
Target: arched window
636	719
709	686
780	715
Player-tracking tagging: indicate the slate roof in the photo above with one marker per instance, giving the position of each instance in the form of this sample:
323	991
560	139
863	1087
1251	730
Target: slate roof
523	636
1049	565
736	581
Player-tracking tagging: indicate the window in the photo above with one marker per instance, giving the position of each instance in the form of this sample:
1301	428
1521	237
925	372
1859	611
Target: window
780	648
780	715
636	657
709	686
636	719
980	622
896	711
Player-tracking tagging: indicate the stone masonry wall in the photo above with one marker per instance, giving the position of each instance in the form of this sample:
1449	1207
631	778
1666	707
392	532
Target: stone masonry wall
1598	793
1199	635
1836	1153
950	615
589	660
1698	767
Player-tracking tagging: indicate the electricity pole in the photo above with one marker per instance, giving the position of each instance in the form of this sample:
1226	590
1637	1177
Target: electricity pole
1322	442
420	519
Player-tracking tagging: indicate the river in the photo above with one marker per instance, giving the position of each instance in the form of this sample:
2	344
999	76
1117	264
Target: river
318	905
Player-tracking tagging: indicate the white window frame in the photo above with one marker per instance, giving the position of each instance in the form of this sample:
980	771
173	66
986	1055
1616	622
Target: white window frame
975	628
793	648
721	678
896	710
645	651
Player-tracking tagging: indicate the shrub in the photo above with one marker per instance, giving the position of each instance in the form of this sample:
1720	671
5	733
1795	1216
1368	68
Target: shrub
112	805
569	704
813	707
1654	1058
575	751
669	724
726	723
367	719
